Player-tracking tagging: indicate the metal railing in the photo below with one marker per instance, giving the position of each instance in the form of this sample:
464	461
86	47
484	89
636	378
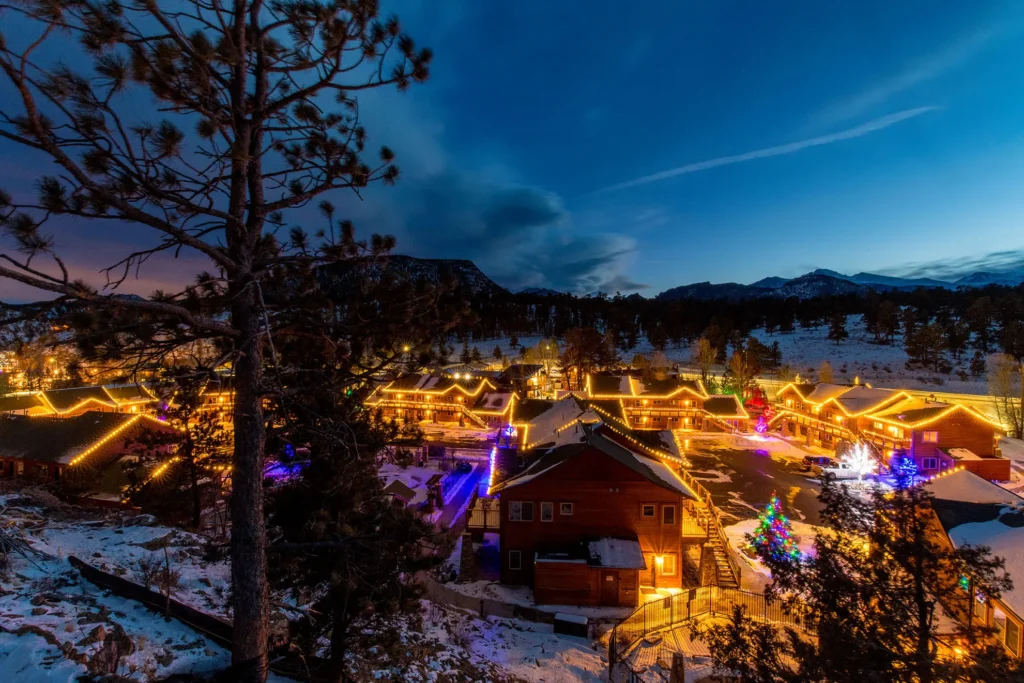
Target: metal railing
680	608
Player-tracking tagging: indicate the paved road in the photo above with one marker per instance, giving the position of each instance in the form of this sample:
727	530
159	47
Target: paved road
750	478
465	488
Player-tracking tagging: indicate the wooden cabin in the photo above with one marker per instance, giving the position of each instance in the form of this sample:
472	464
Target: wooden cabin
121	398
970	510
939	437
654	403
591	521
47	447
432	398
725	413
826	415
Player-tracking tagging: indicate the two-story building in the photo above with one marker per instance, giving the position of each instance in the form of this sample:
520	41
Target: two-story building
938	436
827	415
590	521
433	398
970	510
119	398
653	403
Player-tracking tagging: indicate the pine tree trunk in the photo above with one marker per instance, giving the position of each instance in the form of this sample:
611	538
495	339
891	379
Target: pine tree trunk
248	535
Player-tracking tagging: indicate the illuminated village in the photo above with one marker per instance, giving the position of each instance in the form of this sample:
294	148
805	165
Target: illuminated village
377	341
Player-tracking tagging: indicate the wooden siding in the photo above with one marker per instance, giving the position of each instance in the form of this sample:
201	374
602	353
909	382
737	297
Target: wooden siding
607	500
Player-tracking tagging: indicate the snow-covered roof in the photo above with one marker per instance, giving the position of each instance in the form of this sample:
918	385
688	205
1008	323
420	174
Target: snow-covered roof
411	478
543	427
963	454
1004	536
590	439
494	401
823	392
967	487
616	553
725	405
58	439
861	398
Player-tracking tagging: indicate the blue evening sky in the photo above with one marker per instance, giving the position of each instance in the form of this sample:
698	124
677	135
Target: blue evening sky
913	109
594	145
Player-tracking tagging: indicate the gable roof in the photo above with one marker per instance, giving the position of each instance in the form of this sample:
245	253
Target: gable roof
650	468
129	393
399	489
529	408
436	384
58	439
803	389
17	402
621	386
725	405
823	392
66	400
861	399
915	412
495	402
519	372
609	385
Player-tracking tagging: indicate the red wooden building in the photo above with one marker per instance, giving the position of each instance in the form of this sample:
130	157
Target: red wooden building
590	522
939	437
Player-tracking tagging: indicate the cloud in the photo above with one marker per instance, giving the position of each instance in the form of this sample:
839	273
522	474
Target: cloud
924	70
1009	261
780	150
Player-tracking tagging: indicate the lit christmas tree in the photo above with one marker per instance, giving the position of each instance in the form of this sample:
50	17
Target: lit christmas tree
903	468
773	535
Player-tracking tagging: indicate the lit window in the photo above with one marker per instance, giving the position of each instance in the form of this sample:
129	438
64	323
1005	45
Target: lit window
565	509
929	463
515	559
878	425
520	512
547	512
668	565
647	511
668	514
930	437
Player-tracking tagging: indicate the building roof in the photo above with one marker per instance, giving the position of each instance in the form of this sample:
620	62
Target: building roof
650	468
529	408
17	402
129	393
725	405
519	372
57	439
803	389
436	384
627	385
494	401
610	385
823	392
399	490
66	400
861	399
974	511
914	412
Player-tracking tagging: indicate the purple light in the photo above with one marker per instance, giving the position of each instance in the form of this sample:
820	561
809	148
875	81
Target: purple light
762	425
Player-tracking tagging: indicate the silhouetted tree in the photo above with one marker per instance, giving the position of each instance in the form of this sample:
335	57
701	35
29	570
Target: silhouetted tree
837	328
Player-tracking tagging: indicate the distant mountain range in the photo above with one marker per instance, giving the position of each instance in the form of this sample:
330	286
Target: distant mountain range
334	277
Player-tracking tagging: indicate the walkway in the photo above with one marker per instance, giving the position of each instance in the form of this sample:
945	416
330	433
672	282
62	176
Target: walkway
459	501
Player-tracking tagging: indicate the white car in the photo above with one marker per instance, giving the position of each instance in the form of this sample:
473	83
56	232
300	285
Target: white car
841	470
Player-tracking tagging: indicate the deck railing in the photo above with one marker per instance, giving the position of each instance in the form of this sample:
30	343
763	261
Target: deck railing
680	608
714	524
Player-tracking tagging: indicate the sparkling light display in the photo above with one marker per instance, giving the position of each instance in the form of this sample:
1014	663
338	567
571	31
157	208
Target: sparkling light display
860	460
773	533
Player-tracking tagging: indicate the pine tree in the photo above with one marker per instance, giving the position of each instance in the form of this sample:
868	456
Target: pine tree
257	117
497	354
466	355
978	365
837	328
773	536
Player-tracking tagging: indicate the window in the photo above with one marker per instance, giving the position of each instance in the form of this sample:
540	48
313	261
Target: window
878	425
929	463
565	509
515	559
647	511
929	437
657	403
668	565
520	512
547	512
636	404
668	514
1007	630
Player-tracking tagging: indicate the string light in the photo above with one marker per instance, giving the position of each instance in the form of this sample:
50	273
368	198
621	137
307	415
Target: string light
110	435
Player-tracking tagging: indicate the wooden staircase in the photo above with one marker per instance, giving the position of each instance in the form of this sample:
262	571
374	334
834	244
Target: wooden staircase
726	577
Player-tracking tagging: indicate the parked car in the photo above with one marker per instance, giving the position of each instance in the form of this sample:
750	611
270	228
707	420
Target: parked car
840	471
463	467
814	463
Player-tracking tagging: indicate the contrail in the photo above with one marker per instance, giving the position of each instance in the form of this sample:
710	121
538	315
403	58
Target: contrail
863	129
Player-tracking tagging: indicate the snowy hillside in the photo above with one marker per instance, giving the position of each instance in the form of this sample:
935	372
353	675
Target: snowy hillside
804	350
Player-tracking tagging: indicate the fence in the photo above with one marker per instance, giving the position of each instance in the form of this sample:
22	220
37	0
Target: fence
682	607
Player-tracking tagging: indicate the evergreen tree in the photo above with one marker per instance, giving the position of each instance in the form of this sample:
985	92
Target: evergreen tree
513	340
475	355
265	95
980	315
773	535
957	336
888	320
466	355
497	354
870	593
837	328
978	364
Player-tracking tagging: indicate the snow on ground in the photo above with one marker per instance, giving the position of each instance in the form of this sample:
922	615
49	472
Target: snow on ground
881	365
737	535
770	444
55	622
523	597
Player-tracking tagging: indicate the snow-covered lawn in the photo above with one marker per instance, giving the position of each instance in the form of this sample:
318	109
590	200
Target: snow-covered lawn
737	535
